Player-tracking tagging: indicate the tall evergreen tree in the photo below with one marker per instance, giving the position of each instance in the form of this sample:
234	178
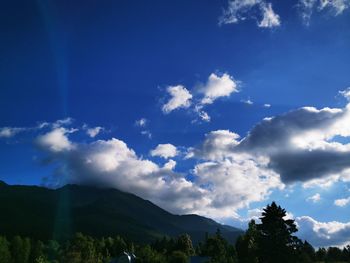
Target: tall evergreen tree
20	249
247	245
184	244
276	241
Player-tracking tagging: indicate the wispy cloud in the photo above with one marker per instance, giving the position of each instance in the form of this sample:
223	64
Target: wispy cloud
315	198
259	10
8	132
141	122
334	8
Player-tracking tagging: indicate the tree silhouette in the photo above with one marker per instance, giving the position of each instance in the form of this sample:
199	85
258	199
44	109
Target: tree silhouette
247	246
276	242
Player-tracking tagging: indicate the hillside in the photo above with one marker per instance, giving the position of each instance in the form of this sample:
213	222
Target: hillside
45	214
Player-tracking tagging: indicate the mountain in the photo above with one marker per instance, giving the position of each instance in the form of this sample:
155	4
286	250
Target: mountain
44	213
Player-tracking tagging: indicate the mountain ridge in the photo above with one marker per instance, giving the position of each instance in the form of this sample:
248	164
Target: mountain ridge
45	213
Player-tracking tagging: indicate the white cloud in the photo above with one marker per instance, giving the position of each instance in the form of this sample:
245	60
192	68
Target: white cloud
308	7
298	145
147	133
241	10
315	198
111	163
63	122
141	122
204	116
217	86
164	150
180	98
221	185
235	183
55	140
8	132
93	132
345	93
266	105
342	202
170	165
217	145
337	6
323	234
270	18
248	102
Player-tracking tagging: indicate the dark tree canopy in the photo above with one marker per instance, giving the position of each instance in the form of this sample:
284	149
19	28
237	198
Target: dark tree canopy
276	240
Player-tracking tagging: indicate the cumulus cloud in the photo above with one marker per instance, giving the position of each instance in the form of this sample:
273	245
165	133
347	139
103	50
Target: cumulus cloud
315	198
180	98
111	163
299	145
267	105
170	165
164	150
259	10
235	183
308	7
55	140
217	145
220	185
323	234
218	86
342	202
233	179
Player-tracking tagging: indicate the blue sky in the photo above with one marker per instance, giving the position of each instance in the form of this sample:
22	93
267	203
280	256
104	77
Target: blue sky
209	107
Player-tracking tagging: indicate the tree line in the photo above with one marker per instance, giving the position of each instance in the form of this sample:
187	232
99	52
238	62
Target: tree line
271	241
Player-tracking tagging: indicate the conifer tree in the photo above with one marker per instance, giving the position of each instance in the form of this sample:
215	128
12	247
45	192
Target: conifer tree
276	241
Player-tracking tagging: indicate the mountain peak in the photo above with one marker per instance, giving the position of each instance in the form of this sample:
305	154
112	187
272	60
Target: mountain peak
98	212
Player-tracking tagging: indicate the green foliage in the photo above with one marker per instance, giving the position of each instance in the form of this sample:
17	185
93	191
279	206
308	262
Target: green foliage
81	249
53	250
37	251
261	243
20	249
146	254
247	245
5	255
178	257
218	249
184	244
